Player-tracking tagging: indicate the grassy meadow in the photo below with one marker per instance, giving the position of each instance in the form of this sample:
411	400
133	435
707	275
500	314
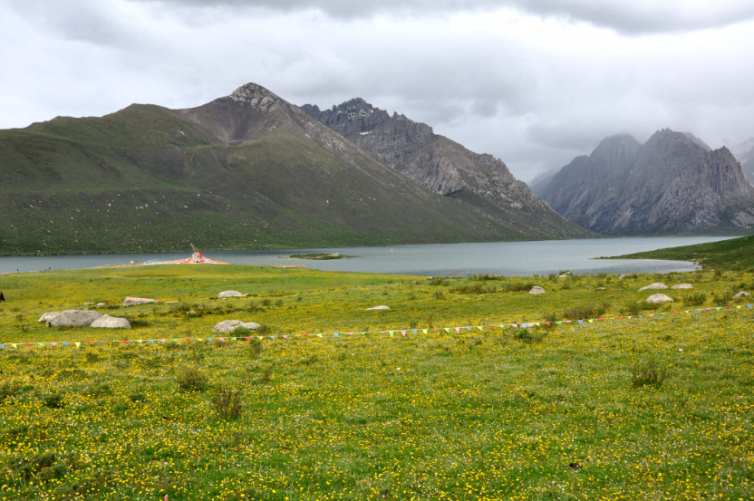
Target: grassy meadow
656	408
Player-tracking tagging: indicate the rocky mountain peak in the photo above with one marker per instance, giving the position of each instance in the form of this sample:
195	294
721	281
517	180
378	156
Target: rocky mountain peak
440	164
673	183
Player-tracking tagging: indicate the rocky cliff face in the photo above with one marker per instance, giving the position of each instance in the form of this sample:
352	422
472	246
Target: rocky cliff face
436	162
671	184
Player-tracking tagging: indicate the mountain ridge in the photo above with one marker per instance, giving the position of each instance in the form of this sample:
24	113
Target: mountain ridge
671	184
435	161
248	170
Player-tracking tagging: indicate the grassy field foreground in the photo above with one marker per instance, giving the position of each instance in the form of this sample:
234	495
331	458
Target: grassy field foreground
646	408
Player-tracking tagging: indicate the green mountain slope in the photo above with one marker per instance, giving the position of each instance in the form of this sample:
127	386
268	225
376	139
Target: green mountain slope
245	171
733	254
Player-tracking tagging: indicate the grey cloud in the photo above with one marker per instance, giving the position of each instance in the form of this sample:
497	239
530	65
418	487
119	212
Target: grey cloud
81	20
626	16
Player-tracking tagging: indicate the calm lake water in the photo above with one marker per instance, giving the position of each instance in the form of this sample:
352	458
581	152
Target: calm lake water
500	258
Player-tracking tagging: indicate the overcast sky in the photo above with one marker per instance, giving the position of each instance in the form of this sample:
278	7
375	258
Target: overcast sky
534	82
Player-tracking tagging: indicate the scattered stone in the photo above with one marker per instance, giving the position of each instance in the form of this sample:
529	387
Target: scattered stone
47	317
741	294
566	274
659	298
108	322
101	304
683	286
88	304
658	285
601	289
136	301
380	307
537	290
74	318
229	294
623	277
228	326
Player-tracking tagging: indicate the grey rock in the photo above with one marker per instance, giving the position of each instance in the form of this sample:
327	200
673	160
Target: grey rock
47	317
74	318
537	290
440	164
108	322
659	298
228	326
670	184
683	286
741	294
380	307
225	294
654	286
136	301
623	277
601	289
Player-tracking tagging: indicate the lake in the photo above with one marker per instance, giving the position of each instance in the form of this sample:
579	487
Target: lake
498	258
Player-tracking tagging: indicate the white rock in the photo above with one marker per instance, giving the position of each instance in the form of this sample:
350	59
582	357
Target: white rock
683	286
229	294
108	322
74	318
622	277
659	298
537	290
136	301
227	326
741	294
601	288
654	286
47	317
101	304
88	304
565	275
380	307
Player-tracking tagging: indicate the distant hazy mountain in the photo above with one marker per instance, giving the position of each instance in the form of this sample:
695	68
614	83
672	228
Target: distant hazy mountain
541	180
248	170
442	165
671	184
744	153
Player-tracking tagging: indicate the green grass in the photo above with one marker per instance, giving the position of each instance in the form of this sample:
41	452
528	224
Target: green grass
651	408
733	254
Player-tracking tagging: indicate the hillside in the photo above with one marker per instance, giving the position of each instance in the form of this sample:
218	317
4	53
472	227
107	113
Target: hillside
248	170
442	165
672	184
733	254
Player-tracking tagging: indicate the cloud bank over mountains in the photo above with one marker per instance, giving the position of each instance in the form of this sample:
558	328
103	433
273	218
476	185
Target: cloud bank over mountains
534	82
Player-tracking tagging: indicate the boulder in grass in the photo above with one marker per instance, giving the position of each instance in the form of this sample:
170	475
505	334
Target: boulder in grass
683	286
623	277
741	294
47	317
228	326
108	322
229	294
74	318
537	290
380	307
136	301
657	285
659	298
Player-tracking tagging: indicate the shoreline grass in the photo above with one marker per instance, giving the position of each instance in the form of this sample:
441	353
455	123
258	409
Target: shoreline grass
653	409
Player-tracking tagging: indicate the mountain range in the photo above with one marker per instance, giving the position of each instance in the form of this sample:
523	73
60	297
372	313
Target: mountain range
674	183
438	163
248	170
